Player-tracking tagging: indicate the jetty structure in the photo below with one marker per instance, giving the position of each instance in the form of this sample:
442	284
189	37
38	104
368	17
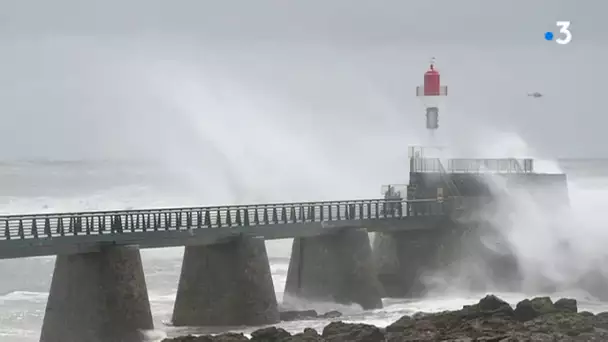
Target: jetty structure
98	290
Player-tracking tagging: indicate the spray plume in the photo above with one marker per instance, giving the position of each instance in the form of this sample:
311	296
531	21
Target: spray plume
533	239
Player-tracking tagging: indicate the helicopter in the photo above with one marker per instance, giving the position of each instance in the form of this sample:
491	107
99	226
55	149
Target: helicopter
535	94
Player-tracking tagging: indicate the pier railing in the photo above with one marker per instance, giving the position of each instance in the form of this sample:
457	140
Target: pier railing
504	165
500	165
54	225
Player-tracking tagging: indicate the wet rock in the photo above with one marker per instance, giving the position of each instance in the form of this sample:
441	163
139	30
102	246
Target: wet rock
420	314
310	332
489	314
294	315
600	321
409	329
490	320
270	334
401	324
340	331
560	323
308	335
603	316
230	337
530	309
566	305
489	305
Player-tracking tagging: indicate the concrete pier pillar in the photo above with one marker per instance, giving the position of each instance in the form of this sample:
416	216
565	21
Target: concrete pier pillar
226	284
98	297
335	268
403	258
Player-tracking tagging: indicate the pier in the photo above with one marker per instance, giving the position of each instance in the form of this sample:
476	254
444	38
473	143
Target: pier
98	291
85	232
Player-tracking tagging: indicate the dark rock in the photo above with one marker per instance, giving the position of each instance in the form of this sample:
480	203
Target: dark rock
308	335
330	314
561	322
530	309
492	305
420	314
586	313
295	315
189	338
410	329
229	337
602	316
490	320
270	334
566	305
401	324
600	320
340	331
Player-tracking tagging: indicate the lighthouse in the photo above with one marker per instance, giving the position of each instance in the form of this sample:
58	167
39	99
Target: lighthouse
431	94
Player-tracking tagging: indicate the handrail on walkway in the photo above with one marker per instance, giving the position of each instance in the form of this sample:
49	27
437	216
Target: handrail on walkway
53	225
183	209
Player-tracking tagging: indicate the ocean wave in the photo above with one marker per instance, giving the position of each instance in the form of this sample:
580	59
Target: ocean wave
17	296
15	332
154	296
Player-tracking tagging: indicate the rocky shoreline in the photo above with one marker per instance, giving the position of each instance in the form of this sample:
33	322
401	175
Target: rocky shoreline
490	320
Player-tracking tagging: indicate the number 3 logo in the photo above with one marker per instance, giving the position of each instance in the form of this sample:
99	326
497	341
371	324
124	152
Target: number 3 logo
563	29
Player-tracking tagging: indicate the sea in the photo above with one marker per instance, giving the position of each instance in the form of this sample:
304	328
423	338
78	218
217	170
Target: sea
54	186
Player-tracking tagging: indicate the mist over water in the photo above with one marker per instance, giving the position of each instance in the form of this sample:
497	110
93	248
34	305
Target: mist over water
557	245
560	248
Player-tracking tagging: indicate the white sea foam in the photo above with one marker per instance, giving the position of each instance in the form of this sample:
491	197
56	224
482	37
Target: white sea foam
26	296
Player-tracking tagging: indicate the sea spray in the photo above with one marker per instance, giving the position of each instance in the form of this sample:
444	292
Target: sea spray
555	246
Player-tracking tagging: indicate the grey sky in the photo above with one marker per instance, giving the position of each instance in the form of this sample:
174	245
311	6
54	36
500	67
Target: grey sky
338	21
113	78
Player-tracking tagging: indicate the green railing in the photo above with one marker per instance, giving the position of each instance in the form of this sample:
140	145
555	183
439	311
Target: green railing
57	225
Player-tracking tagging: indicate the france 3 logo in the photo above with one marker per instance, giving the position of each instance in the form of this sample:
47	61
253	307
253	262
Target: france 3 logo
564	37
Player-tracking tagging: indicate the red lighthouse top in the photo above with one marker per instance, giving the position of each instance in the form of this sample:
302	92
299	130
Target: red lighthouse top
432	84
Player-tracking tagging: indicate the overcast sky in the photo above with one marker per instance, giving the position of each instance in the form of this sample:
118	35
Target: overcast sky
106	79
